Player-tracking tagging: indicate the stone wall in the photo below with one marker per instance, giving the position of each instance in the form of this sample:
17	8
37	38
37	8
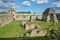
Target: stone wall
49	15
27	16
7	18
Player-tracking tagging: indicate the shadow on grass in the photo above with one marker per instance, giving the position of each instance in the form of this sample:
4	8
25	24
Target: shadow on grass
40	20
7	38
26	38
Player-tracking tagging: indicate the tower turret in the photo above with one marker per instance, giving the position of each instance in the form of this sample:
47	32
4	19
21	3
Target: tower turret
12	12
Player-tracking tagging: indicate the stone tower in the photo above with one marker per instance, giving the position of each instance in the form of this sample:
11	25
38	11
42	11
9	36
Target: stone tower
49	15
12	12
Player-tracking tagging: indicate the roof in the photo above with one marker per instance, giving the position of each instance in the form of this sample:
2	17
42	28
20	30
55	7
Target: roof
49	10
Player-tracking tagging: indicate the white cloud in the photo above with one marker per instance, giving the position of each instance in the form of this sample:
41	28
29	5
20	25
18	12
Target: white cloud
1	1
33	0
3	5
42	1
57	4
7	5
26	3
13	5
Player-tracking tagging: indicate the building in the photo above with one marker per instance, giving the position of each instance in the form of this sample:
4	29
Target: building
49	15
12	12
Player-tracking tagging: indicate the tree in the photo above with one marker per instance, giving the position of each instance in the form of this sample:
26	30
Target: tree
3	12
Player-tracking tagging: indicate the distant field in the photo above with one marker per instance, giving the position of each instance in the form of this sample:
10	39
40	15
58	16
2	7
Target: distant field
11	30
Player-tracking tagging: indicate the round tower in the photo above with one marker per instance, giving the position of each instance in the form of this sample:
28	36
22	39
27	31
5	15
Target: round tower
12	12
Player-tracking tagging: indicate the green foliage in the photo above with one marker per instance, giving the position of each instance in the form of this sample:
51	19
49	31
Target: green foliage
24	12
56	29
37	38
3	12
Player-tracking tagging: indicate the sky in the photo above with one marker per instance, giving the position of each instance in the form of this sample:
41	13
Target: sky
29	5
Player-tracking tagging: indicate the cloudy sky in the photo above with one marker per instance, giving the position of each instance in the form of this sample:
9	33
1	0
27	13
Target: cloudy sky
29	5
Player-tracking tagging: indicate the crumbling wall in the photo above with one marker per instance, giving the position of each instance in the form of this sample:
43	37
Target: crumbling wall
5	19
27	16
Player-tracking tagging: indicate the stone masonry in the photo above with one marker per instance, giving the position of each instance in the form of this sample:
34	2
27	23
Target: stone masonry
49	15
12	15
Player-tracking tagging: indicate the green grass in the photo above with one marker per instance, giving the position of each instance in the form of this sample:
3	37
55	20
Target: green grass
37	38
9	31
43	24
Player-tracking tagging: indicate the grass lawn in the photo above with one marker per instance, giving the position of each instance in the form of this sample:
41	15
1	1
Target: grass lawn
37	38
10	31
43	24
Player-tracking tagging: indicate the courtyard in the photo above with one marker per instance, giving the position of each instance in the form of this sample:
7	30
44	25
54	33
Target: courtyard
13	29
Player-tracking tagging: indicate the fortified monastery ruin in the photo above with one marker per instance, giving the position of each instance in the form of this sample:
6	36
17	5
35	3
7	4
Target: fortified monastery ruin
48	15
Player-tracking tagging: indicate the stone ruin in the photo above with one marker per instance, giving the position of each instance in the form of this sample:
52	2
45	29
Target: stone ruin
36	30
12	12
49	15
28	25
